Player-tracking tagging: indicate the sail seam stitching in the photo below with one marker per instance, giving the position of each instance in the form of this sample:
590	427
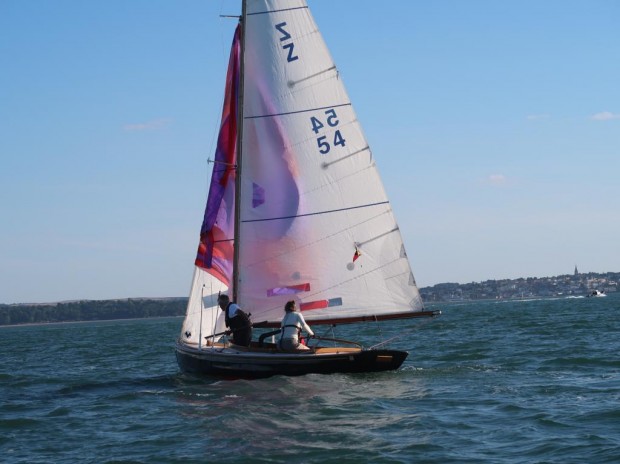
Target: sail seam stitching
317	213
297	112
277	11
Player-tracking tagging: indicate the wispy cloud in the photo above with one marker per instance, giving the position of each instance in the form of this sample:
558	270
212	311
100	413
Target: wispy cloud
605	116
155	124
497	179
538	117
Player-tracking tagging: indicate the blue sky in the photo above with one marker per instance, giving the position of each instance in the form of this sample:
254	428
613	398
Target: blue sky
495	125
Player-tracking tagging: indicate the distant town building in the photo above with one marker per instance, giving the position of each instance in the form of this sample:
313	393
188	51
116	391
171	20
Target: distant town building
576	271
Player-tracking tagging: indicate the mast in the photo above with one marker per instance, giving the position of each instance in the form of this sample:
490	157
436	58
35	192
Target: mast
236	242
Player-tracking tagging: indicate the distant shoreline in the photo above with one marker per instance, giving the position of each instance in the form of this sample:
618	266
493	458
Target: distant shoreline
91	310
565	286
36	324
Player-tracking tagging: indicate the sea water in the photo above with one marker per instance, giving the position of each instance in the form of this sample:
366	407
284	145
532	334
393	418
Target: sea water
494	382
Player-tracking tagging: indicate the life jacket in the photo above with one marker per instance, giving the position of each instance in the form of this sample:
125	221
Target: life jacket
297	325
240	326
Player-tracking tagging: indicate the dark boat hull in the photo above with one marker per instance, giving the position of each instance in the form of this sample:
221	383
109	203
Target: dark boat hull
247	364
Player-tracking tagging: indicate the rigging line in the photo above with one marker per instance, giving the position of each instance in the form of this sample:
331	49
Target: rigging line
318	292
329	328
297	112
323	290
378	326
309	244
277	11
317	213
401	335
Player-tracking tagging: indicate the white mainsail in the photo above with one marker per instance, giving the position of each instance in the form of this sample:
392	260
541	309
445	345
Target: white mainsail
316	224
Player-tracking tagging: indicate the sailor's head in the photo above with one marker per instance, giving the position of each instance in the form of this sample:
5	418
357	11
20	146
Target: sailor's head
289	307
223	300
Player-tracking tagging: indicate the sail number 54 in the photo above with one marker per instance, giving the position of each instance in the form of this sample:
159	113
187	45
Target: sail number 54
331	120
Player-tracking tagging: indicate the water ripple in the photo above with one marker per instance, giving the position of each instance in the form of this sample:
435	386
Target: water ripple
496	383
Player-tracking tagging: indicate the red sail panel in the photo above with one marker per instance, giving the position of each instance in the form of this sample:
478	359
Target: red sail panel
216	248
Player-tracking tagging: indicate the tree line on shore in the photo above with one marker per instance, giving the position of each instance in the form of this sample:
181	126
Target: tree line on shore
91	310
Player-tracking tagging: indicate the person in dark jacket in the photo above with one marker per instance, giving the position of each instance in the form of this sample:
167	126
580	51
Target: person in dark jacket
237	321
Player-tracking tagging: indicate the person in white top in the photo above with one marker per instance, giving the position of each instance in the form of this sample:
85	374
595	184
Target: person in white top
292	324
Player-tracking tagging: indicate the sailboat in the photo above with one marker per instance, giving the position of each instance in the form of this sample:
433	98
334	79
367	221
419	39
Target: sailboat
296	210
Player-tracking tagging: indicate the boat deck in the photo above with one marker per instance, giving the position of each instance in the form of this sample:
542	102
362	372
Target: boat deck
273	349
